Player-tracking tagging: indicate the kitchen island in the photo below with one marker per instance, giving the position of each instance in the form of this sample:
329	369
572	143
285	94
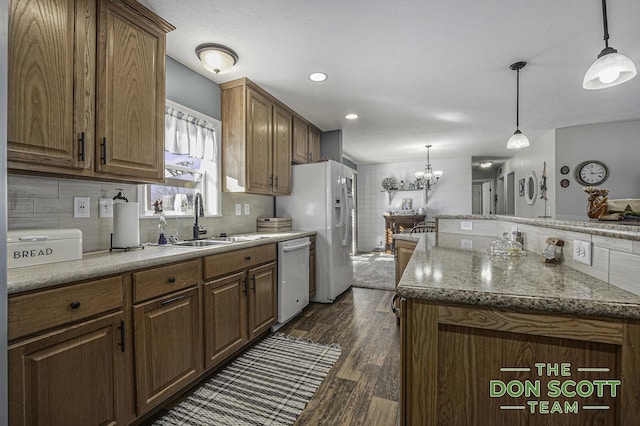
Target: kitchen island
513	343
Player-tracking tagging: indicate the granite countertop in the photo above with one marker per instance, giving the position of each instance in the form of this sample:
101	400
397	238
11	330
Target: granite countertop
99	264
454	268
595	227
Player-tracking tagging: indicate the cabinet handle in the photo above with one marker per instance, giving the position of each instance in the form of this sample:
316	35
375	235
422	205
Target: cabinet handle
75	304
271	180
81	140
244	283
175	299
104	151
247	258
121	344
171	280
276	181
253	287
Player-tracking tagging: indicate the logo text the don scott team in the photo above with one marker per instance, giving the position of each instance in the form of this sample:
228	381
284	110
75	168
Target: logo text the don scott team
563	387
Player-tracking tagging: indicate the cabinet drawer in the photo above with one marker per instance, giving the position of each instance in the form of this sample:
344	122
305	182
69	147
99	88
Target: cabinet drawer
35	312
222	264
165	279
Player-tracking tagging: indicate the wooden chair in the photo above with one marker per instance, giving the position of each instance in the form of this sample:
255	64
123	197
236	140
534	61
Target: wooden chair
425	226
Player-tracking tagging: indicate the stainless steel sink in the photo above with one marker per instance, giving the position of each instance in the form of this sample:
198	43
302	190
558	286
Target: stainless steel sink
201	243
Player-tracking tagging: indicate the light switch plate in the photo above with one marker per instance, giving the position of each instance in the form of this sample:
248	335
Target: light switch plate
582	251
466	225
106	207
238	209
247	209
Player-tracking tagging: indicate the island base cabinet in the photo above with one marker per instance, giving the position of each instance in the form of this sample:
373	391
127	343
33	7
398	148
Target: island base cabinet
467	365
168	346
74	376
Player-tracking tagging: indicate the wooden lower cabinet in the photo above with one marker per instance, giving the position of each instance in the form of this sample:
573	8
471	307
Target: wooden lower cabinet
263	302
403	252
168	346
71	376
225	318
312	273
452	356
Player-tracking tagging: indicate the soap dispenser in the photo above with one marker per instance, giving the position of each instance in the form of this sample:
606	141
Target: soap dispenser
162	227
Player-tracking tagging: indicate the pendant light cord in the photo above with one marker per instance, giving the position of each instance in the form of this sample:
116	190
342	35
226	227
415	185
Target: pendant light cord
518	99
604	20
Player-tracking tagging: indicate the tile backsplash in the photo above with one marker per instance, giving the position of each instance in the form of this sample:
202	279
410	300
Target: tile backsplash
35	202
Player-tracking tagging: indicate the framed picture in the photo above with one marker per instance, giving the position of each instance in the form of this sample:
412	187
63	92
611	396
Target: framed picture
407	203
521	187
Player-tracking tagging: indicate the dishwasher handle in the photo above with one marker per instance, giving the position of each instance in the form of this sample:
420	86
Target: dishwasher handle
287	249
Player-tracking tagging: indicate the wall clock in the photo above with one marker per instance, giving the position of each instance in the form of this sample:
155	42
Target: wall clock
591	173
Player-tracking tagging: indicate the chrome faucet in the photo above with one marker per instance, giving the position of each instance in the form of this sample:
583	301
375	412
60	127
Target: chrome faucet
198	208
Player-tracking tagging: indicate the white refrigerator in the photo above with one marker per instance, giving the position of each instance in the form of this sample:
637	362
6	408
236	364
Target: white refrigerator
321	200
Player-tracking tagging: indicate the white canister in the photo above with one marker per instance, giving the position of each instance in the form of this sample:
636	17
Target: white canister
126	225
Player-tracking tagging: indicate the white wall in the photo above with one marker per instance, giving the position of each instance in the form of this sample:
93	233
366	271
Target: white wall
530	159
452	195
615	144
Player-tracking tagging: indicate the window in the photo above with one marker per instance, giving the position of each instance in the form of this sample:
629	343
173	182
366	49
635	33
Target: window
192	164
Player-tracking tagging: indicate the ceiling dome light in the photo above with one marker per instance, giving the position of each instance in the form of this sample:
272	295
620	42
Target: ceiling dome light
518	140
317	76
611	68
351	116
216	58
486	164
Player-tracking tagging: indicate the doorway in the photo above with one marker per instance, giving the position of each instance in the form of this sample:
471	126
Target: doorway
476	198
510	196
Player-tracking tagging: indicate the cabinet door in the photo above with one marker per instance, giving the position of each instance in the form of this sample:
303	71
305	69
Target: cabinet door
263	305
312	273
168	346
314	145
131	95
259	143
281	151
300	141
225	317
73	376
51	77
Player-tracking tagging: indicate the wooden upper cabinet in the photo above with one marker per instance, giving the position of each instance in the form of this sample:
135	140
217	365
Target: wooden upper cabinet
51	84
306	142
258	134
300	141
82	72
281	150
314	145
131	94
259	143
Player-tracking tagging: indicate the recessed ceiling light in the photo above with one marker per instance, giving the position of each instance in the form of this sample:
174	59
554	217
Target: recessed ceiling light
351	116
317	76
485	164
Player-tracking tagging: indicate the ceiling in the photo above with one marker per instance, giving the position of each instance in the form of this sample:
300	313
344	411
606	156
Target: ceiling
419	71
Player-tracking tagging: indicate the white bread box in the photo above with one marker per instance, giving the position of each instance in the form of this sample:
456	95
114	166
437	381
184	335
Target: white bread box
28	247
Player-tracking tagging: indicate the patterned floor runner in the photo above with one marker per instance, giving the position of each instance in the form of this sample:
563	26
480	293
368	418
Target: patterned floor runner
268	385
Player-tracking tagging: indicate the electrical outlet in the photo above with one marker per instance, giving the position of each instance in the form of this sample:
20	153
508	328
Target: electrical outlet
466	225
106	207
466	244
81	207
582	251
238	209
247	209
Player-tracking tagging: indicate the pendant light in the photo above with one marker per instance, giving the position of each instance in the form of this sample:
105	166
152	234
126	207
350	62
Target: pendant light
611	68
518	140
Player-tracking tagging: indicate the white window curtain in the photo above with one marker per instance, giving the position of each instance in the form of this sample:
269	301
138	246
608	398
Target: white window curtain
189	135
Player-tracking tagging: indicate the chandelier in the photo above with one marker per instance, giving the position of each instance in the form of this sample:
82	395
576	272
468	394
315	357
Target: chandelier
429	177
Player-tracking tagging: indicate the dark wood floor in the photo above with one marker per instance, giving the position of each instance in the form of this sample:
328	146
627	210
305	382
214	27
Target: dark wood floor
363	388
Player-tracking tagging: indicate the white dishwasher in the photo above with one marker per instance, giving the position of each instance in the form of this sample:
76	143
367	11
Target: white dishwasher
293	278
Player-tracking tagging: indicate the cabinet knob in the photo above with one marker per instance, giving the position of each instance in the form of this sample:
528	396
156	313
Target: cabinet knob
171	279
75	304
247	258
